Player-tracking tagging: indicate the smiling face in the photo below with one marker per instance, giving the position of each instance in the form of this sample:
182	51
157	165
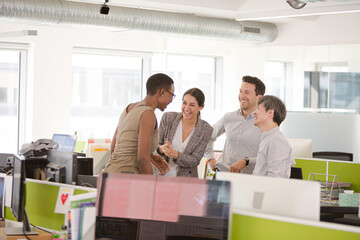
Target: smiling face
190	107
262	116
247	97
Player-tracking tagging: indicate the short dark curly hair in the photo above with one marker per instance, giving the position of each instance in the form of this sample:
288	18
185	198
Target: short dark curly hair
157	82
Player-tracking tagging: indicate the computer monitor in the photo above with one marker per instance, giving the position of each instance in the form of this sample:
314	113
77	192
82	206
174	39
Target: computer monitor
277	196
87	181
301	147
70	163
18	199
66	142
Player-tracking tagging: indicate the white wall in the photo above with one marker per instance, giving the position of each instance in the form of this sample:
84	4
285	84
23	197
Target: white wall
332	132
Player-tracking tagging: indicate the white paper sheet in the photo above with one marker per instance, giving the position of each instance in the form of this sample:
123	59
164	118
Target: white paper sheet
63	200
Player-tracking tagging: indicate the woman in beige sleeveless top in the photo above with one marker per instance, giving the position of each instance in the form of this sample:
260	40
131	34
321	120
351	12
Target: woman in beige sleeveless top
136	136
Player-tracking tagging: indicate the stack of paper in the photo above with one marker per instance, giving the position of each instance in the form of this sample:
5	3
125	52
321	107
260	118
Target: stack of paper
99	150
83	216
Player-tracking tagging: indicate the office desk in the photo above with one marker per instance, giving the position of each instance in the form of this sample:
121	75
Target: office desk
42	236
188	227
348	220
245	225
342	215
338	209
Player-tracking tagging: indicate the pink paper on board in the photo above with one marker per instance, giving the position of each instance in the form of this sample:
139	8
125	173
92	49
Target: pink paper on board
141	199
193	197
166	203
116	195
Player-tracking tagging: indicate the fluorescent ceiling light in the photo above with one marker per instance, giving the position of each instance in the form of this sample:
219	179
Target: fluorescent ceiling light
19	33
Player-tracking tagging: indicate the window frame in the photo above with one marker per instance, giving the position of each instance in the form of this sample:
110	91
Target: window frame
146	69
23	50
218	76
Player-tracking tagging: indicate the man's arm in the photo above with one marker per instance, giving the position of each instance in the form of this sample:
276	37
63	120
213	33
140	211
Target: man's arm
218	130
146	130
241	164
238	166
277	159
209	153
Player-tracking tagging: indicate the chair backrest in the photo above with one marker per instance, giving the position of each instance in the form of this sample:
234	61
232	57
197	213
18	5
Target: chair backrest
334	155
296	173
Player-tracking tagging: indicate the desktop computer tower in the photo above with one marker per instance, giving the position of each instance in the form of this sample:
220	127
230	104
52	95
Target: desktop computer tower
84	166
74	164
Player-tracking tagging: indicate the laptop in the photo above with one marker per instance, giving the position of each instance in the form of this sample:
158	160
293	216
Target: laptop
66	142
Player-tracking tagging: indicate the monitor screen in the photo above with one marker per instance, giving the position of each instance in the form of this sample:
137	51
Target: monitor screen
66	142
276	196
18	198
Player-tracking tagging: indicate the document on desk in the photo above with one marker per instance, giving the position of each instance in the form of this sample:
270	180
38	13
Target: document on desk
75	203
87	221
63	200
8	189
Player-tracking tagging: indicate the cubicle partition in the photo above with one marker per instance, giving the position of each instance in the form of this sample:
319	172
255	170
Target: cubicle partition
41	197
311	166
246	225
346	171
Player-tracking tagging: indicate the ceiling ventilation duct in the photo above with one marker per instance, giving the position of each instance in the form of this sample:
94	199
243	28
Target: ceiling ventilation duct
53	12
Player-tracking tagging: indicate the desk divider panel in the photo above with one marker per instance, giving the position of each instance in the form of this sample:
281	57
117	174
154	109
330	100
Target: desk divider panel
248	227
311	166
40	204
347	172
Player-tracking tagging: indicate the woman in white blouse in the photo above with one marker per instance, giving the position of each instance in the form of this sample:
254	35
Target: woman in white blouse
184	136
